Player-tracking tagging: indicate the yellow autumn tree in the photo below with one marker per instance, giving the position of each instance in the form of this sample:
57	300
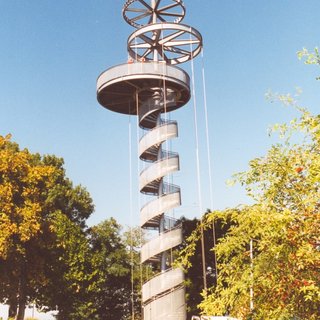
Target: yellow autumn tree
35	196
22	181
21	184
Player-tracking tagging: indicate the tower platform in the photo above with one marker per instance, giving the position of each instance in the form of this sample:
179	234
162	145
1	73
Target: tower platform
119	87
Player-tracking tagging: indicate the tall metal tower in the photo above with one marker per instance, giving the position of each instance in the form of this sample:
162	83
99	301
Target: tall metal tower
149	86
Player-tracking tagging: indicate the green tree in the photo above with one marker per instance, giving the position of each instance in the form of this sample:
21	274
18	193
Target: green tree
190	257
271	249
70	275
133	239
65	248
34	192
111	261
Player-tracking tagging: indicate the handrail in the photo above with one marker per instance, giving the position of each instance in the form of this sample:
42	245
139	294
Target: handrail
165	154
163	123
175	189
164	191
170	188
164	241
164	293
173	156
145	65
178	226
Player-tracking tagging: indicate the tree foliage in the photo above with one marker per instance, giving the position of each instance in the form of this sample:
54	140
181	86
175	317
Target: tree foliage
48	256
193	259
102	278
35	197
112	294
22	181
69	273
283	267
310	57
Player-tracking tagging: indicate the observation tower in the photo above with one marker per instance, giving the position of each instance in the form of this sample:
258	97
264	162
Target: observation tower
150	86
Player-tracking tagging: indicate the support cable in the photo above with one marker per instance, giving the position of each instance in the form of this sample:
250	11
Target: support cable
138	193
131	218
209	160
198	172
167	149
251	275
168	142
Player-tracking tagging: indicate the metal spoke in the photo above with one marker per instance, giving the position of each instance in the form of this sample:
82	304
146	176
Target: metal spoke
137	10
160	18
181	43
171	14
170	37
157	5
176	49
145	4
140	46
170	6
150	19
177	52
140	16
162	54
146	53
146	39
157	34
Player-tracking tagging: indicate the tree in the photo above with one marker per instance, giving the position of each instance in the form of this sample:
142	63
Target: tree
22	179
133	239
111	260
65	248
34	193
70	275
194	277
272	248
310	57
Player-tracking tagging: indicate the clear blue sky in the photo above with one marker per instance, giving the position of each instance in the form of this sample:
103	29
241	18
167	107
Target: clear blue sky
53	51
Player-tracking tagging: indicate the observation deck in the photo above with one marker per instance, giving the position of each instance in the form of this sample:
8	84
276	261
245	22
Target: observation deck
120	88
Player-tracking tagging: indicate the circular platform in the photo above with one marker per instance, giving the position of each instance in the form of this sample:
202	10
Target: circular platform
118	88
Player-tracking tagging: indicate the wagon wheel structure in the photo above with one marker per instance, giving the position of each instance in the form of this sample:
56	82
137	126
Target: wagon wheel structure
168	42
139	13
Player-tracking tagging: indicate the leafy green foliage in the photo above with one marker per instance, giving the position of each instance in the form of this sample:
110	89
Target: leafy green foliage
310	57
113	262
283	268
191	258
69	273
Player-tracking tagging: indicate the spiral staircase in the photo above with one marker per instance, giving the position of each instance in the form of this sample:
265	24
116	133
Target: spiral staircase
150	86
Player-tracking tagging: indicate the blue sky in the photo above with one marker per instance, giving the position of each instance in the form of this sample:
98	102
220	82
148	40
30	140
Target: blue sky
53	51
